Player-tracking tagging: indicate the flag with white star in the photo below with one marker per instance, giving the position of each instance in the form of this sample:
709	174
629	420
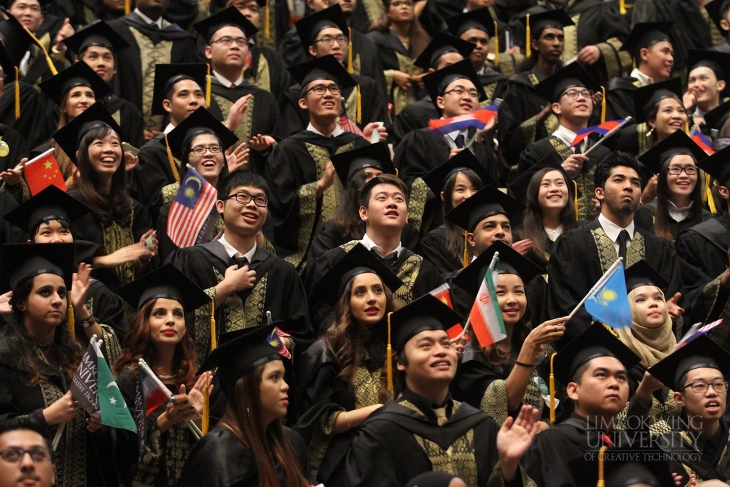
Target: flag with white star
114	411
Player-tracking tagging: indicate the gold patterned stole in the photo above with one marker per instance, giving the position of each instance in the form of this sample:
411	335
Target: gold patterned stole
570	33
150	55
350	107
243	131
262	76
417	203
374	9
607	251
489	90
333	195
401	96
116	237
272	42
551	122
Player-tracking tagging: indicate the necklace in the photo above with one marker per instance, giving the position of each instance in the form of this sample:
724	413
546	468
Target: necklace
166	376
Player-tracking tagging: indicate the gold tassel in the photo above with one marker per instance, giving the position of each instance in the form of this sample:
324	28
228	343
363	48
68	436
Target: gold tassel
466	249
603	104
622	7
601	458
17	93
575	197
528	39
708	195
358	115
213	337
71	321
634	64
127	7
205	423
686	128
171	160
389	358
496	44
267	27
208	88
350	68
552	389
51	66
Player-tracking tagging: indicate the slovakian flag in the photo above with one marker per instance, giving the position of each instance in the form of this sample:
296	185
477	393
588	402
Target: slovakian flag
485	316
154	392
602	129
42	172
609	302
190	209
697	330
478	118
701	139
443	294
275	339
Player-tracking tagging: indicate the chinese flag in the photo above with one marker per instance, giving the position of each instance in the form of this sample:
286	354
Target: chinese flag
42	172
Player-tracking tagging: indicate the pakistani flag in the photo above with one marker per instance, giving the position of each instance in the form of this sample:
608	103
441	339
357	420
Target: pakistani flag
114	412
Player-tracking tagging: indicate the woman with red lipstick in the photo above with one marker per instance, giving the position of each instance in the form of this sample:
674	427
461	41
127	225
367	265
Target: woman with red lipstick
341	376
158	335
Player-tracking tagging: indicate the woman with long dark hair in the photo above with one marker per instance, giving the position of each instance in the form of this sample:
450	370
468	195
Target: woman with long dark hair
342	375
250	446
158	336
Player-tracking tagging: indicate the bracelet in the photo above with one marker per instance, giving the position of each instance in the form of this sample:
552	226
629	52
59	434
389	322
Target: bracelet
54	50
88	322
521	364
347	420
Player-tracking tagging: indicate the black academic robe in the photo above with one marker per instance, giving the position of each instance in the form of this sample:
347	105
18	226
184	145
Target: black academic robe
403	439
33	105
220	459
293	168
268	71
620	98
151	174
724	47
433	248
107	307
576	264
704	246
710	463
646	214
17	147
128	117
278	289
415	116
9	233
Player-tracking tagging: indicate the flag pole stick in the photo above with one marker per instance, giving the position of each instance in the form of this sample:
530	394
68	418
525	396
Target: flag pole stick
609	134
39	157
598	284
467	325
466	329
57	436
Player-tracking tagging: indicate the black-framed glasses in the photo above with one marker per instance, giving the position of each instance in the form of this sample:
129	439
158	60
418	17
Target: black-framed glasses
245	198
329	40
200	149
573	94
227	41
701	387
460	91
320	90
677	170
14	454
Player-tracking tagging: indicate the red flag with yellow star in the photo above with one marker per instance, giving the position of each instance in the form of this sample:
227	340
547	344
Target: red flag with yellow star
42	172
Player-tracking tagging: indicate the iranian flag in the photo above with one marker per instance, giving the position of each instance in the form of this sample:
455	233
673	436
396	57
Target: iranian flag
485	316
154	392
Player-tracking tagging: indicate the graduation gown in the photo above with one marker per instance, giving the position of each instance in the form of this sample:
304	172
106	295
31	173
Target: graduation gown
433	249
277	289
581	256
296	211
620	98
151	174
128	117
17	147
9	233
267	71
704	246
712	462
220	459
414	116
403	439
646	214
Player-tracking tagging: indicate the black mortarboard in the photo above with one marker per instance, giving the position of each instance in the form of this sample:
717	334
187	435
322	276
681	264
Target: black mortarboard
358	260
440	45
651	471
437	82
7	63
557	19
423	314
716	118
717	10
510	262
17	38
309	26
166	282
23	261
641	273
78	74
96	34
645	35
69	136
166	75
570	76
596	341
550	161
717	166
348	163
228	17
648	96
50	204
676	144
436	177
325	67
474	19
199	122
239	353
699	353
717	61
487	202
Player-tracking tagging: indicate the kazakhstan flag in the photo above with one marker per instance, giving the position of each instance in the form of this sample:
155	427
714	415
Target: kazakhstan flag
609	304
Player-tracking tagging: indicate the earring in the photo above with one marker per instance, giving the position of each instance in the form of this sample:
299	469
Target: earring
651	131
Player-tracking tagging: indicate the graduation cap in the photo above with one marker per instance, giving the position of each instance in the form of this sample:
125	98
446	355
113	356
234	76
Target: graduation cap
424	314
650	471
69	136
489	201
717	10
358	260
436	177
699	353
166	282
225	18
166	75
325	67
311	25
201	121
550	161
717	61
479	19
676	144
50	204
641	273
441	44
18	38
437	82
572	75
24	261
648	96
349	163
717	166
536	23
646	34
78	74
96	34
715	118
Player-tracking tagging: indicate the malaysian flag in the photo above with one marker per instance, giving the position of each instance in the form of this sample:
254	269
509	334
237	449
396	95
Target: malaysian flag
191	207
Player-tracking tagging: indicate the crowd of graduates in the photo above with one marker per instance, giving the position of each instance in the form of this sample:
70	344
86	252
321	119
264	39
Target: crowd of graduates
257	209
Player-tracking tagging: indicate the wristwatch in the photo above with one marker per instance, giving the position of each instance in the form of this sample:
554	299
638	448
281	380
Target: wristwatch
88	322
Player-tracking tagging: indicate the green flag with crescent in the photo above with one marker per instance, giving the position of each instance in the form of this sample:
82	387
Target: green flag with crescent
114	411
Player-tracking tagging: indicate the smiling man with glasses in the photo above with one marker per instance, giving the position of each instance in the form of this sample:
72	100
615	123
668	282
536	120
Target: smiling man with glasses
26	457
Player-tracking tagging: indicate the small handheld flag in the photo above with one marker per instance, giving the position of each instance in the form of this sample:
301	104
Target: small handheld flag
190	208
609	302
697	330
602	129
701	139
276	340
478	118
42	172
113	409
485	316
443	294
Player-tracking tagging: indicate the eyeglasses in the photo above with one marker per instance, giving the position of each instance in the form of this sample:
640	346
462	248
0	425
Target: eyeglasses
701	387
320	90
329	40
200	149
573	94
460	91
14	454
677	170
227	41
398	3
244	198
